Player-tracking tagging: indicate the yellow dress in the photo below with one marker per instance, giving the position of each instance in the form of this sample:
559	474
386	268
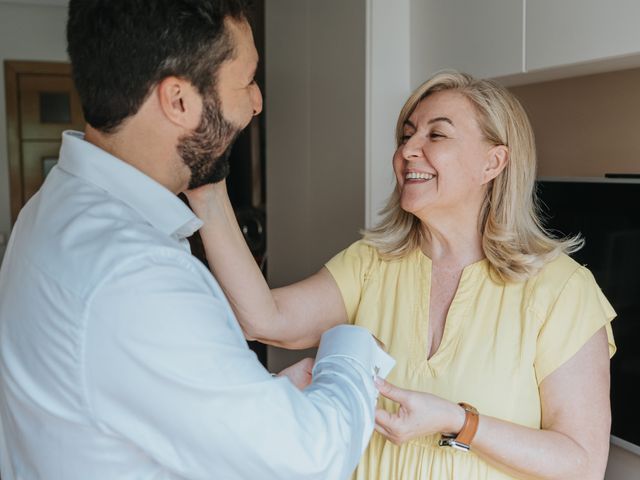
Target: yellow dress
499	342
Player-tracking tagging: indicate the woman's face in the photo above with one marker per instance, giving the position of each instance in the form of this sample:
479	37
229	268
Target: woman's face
442	162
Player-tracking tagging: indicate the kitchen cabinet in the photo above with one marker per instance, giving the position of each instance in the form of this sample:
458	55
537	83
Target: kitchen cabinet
481	38
566	32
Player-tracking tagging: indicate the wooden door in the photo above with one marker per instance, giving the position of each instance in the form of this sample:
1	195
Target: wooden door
41	103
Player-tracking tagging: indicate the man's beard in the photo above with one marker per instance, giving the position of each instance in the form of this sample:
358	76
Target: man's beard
206	151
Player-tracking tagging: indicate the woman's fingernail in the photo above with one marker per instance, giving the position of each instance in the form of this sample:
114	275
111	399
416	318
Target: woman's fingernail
378	381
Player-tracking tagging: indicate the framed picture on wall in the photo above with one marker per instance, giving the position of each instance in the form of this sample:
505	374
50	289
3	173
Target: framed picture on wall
47	164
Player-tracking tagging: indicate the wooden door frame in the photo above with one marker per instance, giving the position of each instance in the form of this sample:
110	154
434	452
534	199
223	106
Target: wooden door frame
12	70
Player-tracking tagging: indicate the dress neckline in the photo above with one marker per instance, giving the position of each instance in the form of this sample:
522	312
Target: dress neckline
456	316
472	266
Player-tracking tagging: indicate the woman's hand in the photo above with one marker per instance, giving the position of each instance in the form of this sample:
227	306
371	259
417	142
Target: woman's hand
299	373
419	414
206	198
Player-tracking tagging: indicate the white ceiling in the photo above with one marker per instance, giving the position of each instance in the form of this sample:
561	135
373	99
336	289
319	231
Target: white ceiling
50	3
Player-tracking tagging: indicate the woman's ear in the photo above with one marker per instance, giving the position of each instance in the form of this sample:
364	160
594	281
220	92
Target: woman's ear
497	159
180	102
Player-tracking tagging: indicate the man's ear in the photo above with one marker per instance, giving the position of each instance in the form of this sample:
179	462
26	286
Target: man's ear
180	102
497	158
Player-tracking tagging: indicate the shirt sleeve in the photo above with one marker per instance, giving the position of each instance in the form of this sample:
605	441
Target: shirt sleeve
350	269
168	370
580	310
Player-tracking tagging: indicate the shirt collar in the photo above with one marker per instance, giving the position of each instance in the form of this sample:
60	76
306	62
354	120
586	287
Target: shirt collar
159	206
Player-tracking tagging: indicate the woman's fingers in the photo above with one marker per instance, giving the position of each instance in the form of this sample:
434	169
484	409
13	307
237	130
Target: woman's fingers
392	392
384	418
384	428
418	414
380	429
390	426
385	433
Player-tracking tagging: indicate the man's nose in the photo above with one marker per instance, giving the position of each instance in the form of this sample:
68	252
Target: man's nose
256	100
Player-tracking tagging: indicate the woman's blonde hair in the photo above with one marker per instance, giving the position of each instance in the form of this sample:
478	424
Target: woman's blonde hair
513	238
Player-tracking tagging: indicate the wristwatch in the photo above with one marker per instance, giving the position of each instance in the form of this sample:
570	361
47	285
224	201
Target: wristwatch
462	441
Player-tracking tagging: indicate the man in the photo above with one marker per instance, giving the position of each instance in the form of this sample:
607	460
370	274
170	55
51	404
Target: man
120	357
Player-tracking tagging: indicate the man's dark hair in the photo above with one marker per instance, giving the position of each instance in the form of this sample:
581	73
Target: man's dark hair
120	49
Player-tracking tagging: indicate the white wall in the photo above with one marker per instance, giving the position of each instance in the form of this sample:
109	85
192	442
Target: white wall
27	32
466	35
388	86
314	103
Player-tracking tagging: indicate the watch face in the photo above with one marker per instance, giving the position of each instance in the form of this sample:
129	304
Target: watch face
451	442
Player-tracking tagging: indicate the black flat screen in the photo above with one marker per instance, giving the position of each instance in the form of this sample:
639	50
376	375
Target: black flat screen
607	214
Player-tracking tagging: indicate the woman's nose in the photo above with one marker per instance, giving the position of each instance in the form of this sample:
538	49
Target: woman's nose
412	148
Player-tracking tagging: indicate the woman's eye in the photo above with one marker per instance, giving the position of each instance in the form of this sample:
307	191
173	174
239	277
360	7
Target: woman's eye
435	135
405	139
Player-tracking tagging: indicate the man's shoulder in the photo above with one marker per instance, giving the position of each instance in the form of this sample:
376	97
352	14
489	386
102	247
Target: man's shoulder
78	240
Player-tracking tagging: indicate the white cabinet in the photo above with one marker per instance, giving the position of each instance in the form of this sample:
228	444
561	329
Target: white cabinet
565	32
483	38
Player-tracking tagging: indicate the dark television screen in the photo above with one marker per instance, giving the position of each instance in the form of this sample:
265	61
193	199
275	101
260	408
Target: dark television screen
607	214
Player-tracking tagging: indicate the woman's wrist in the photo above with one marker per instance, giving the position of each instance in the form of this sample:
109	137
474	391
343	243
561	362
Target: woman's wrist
209	202
455	417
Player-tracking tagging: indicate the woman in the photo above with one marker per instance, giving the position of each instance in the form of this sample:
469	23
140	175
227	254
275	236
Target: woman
473	299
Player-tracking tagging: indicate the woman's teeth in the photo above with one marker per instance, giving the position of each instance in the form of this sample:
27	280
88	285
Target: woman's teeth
418	176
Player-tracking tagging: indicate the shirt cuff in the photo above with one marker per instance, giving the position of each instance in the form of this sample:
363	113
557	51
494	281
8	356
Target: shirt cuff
356	344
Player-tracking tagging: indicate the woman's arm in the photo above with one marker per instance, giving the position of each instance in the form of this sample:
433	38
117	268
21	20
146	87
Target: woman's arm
293	316
573	442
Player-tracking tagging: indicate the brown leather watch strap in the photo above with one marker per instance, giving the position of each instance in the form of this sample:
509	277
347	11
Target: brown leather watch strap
471	418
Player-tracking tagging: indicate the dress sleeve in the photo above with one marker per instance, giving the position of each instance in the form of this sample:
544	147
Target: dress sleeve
580	310
350	269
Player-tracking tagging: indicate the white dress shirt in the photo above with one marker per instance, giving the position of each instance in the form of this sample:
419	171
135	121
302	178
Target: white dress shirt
120	357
